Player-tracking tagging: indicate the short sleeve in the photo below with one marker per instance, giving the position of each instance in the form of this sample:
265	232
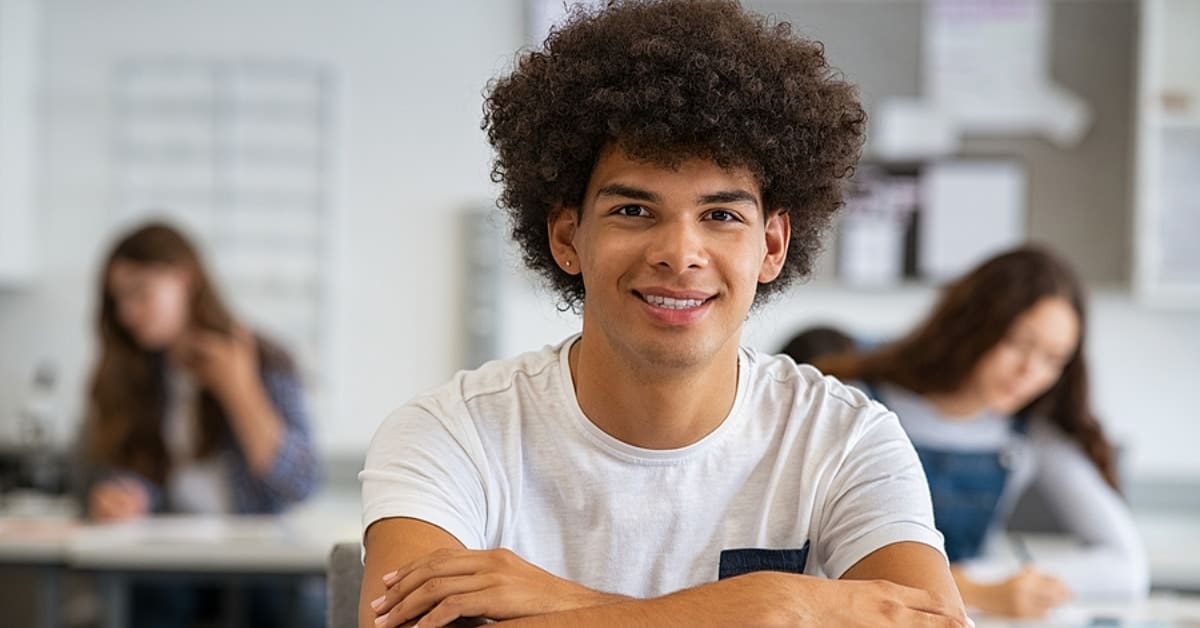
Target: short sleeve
877	496
420	466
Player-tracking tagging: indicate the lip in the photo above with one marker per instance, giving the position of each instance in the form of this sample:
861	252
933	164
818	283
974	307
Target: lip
670	316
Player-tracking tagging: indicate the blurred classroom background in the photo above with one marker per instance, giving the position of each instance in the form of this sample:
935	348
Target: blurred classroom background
329	159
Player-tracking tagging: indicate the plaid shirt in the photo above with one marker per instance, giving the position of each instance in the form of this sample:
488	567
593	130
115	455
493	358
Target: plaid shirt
295	473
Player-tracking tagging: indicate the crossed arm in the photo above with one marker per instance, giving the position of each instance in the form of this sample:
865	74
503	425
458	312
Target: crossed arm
417	572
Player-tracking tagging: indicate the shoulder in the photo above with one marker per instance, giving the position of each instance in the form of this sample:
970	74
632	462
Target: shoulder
808	393
498	378
1054	447
495	384
1042	433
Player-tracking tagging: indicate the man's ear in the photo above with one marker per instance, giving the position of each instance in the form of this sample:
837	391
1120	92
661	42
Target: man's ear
562	224
778	235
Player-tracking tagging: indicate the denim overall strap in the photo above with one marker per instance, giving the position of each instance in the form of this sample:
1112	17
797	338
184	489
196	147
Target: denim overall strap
966	487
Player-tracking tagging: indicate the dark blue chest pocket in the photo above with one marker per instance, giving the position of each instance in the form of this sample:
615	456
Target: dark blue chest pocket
735	562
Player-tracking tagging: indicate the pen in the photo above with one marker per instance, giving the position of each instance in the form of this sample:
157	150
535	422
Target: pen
1020	550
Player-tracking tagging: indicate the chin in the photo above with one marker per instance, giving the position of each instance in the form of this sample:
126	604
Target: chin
151	343
1007	406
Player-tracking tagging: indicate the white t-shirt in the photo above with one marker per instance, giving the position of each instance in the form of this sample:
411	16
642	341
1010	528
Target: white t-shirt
193	485
503	457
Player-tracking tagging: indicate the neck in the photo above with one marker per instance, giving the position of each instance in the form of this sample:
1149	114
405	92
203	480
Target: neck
648	406
956	405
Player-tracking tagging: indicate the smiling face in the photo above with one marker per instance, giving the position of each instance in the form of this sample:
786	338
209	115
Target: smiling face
1029	359
670	258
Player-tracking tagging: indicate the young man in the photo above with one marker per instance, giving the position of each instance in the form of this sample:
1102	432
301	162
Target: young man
665	165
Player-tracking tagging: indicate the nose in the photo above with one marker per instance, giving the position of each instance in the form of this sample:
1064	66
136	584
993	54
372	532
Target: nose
677	245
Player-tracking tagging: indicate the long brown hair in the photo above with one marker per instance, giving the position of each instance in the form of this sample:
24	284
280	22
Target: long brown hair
973	315
128	388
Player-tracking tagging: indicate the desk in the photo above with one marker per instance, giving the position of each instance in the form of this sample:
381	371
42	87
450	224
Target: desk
1173	549
246	544
36	536
1160	611
225	548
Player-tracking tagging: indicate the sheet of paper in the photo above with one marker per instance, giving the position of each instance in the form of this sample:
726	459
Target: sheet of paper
969	210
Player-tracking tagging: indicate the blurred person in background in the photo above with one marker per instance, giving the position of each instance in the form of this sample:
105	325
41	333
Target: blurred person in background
992	388
189	411
816	342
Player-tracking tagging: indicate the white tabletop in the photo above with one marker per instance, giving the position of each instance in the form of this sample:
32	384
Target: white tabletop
1160	611
297	542
1173	548
36	540
209	544
35	529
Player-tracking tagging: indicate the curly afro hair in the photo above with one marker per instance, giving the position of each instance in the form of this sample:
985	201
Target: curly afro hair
665	81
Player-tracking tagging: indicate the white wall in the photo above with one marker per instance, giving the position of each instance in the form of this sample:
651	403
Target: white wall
411	156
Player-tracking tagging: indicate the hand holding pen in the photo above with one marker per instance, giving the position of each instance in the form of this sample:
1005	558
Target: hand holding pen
1029	593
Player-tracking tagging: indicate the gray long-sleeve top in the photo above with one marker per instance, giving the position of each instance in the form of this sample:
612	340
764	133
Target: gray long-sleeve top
1111	561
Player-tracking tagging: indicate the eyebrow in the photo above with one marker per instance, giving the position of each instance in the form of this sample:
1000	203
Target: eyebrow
638	194
728	196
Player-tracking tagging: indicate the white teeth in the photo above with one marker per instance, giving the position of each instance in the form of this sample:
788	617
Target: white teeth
673	304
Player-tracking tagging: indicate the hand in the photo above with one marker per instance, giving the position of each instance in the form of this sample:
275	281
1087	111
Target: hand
119	499
1027	595
456	583
226	364
795	600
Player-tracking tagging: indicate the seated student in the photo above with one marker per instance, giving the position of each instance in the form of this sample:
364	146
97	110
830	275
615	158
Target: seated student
816	342
189	411
992	388
665	165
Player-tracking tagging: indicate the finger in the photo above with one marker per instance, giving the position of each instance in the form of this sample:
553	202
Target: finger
128	486
100	504
431	593
456	607
440	564
243	336
110	499
1053	597
120	507
393	577
129	494
207	343
922	619
925	601
934	605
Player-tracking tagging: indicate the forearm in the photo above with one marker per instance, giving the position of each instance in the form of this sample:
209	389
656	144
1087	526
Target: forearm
735	601
257	426
974	593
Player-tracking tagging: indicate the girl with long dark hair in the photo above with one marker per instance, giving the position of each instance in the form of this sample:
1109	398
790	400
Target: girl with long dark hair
190	412
992	388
